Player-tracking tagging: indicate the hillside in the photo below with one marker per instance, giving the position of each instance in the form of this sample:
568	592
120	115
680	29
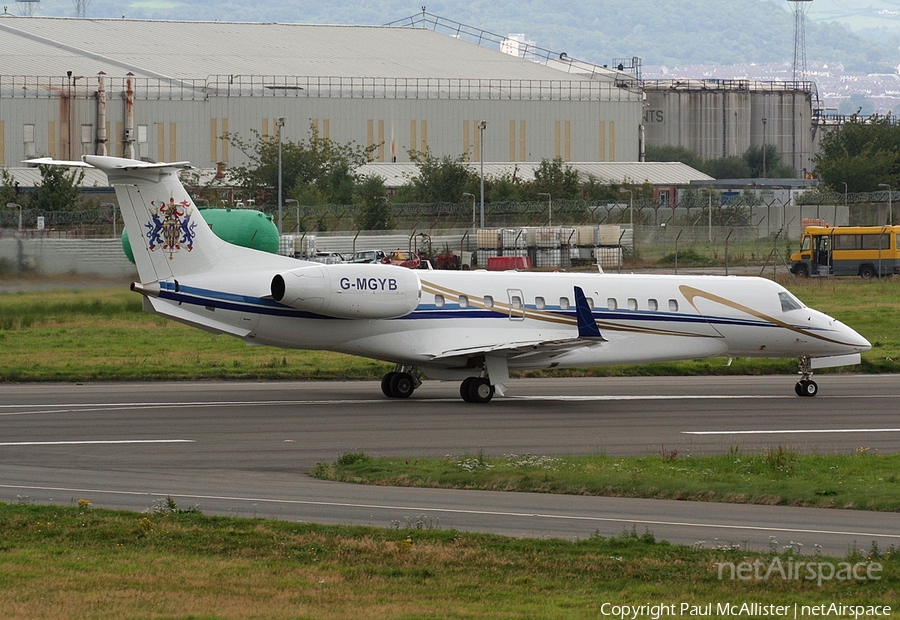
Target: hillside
661	32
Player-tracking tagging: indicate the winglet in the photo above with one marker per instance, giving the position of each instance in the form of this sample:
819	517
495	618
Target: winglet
587	326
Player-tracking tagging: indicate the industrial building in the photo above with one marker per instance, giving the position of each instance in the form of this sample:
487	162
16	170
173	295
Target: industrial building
723	118
174	90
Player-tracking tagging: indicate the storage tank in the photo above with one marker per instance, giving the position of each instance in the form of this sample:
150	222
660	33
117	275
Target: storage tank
244	227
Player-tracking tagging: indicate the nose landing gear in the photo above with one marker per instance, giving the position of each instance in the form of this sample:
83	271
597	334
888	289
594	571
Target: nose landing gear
806	386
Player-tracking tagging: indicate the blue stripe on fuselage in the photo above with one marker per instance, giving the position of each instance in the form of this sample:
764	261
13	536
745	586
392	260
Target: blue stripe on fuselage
246	303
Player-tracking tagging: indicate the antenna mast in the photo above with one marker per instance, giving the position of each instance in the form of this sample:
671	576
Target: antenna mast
26	7
81	7
800	9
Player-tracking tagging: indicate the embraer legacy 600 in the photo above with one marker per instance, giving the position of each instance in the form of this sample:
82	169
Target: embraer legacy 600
470	326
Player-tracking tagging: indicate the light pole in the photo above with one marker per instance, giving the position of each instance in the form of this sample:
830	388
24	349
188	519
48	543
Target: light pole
14	205
630	193
708	208
472	196
549	206
279	122
482	125
890	203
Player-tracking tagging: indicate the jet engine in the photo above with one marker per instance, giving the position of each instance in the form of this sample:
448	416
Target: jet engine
363	291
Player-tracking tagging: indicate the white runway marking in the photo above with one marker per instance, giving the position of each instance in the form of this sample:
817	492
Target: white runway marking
796	431
565	517
80	443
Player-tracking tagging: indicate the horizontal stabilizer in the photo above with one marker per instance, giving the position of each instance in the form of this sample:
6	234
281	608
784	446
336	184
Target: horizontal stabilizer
194	319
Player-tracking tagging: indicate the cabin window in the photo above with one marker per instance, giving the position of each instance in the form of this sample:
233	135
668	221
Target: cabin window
653	305
463	301
632	303
673	305
439	301
539	303
516	301
488	301
612	304
590	302
563	303
789	302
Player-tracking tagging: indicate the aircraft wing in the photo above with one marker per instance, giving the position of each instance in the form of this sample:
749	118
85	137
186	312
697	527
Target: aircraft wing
587	335
522	348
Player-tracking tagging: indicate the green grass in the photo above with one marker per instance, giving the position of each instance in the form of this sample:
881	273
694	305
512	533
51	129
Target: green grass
79	562
103	334
775	476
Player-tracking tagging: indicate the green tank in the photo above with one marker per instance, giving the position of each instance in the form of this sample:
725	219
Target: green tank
244	227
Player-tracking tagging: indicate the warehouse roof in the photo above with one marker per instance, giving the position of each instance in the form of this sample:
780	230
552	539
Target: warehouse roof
610	172
48	46
395	175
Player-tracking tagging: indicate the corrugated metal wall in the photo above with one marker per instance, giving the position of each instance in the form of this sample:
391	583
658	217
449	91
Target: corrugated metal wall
600	123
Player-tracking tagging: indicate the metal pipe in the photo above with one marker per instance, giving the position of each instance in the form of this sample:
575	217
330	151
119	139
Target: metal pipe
128	139
101	115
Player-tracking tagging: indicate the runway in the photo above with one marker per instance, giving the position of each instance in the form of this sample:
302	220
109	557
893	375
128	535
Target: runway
245	449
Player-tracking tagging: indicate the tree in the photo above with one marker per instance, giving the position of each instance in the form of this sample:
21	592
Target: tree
862	153
374	212
59	190
670	152
317	167
442	179
554	178
9	189
775	168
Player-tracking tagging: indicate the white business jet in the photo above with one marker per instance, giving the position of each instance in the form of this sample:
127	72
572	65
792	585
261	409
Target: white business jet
470	326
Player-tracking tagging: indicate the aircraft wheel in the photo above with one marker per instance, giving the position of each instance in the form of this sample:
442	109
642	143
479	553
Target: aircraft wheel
386	384
402	385
481	390
810	389
464	388
807	388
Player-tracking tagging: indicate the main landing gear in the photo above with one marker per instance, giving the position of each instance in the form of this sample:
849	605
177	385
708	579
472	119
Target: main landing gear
806	386
476	390
402	382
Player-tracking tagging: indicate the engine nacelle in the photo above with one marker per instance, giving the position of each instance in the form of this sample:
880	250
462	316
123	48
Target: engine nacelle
362	291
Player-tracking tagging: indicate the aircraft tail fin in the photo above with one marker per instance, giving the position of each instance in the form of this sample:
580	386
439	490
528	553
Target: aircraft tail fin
167	233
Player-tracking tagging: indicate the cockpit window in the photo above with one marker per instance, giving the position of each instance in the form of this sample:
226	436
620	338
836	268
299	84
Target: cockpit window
789	302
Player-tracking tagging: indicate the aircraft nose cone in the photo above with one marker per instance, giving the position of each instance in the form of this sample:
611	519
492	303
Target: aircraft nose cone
854	339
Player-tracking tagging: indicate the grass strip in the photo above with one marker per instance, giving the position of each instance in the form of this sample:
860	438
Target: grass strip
102	334
776	476
76	561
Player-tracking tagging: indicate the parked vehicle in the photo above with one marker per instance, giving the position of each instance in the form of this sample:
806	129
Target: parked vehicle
864	251
368	256
329	258
402	259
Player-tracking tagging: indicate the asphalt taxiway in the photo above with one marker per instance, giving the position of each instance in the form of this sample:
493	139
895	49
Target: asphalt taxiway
245	448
